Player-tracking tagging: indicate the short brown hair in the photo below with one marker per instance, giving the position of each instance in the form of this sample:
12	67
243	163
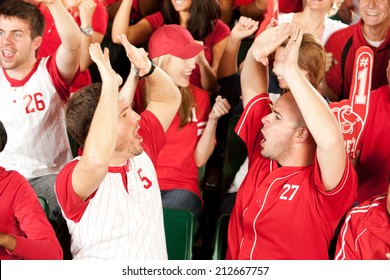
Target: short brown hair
24	11
80	111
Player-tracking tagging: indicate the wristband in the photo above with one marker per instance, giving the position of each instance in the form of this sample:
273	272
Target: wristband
153	66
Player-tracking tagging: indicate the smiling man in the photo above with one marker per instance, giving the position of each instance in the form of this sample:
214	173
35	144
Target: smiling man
34	92
372	31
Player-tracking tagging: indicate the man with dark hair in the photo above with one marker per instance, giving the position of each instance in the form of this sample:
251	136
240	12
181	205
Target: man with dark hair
34	92
110	195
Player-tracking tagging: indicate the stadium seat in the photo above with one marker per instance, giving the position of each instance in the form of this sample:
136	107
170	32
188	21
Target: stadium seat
220	238
45	205
179	233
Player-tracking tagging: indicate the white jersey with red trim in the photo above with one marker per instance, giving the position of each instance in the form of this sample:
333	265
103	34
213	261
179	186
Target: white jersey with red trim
119	224
32	112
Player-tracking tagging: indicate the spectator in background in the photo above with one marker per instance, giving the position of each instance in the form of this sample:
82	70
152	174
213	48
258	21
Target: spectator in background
365	234
373	31
191	136
34	92
92	18
25	232
373	160
200	17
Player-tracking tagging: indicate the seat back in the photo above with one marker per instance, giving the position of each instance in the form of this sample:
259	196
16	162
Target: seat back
234	156
179	233
220	237
45	205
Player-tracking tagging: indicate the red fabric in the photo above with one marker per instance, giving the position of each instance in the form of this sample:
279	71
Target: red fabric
220	32
365	234
335	45
22	216
285	6
51	40
283	212
60	85
153	140
176	167
373	166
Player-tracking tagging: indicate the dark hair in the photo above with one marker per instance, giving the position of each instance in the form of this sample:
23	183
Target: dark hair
24	11
3	137
80	110
203	14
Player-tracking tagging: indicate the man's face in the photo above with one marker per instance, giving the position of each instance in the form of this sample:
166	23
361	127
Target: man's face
375	12
279	128
129	141
16	46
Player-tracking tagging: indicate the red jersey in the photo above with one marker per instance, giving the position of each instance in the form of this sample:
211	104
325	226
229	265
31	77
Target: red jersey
285	6
365	234
339	81
51	40
373	166
283	212
22	216
220	31
176	167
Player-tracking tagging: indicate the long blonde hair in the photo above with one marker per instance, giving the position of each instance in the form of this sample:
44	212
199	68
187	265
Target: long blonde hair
187	98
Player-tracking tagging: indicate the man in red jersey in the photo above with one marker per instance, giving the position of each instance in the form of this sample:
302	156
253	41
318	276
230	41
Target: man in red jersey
300	181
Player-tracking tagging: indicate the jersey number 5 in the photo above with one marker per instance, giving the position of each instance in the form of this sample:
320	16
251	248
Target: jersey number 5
145	180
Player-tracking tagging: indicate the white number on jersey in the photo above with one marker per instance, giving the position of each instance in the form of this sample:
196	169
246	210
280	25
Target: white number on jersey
289	192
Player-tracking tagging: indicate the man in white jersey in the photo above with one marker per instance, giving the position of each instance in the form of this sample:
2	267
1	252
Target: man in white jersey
110	195
33	93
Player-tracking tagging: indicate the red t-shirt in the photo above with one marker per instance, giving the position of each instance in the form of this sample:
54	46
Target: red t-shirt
283	212
219	32
51	40
22	216
176	167
340	82
373	166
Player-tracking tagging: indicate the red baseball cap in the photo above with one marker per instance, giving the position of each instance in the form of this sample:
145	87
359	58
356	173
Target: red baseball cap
174	40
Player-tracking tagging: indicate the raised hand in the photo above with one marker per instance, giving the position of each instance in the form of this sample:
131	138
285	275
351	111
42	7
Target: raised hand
268	41
289	58
102	61
221	107
244	28
137	56
86	10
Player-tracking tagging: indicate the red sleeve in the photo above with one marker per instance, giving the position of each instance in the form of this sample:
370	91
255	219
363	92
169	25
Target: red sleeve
238	3
100	19
221	31
72	206
334	77
155	20
153	135
62	87
40	242
249	125
338	201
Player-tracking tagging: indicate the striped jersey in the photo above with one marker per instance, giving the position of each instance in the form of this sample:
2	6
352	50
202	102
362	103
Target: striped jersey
32	111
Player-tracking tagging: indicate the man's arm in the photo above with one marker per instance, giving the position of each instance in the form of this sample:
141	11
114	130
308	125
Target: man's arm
254	75
68	53
163	95
318	117
100	144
